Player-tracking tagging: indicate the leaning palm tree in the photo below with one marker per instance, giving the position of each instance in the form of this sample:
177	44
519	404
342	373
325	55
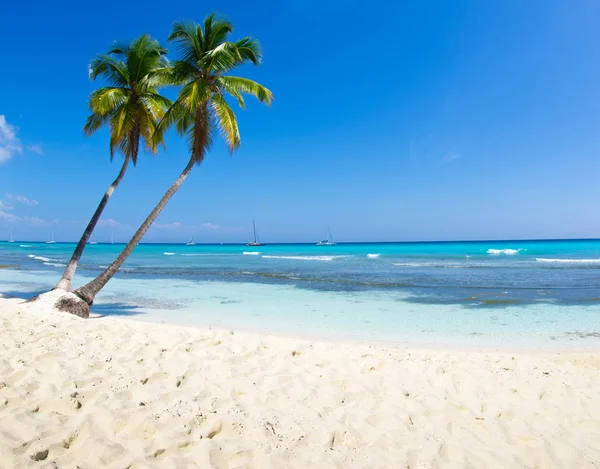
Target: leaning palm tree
131	107
201	108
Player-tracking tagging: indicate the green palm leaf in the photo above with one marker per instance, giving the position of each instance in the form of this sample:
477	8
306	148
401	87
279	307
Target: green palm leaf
206	55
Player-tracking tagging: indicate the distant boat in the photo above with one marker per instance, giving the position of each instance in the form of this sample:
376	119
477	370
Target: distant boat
327	242
11	240
191	243
93	242
256	242
51	241
112	238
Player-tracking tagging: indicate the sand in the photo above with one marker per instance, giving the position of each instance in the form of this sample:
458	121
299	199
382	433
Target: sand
109	392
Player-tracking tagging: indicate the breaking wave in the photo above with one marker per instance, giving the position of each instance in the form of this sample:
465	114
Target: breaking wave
304	258
508	252
39	258
373	256
569	261
169	254
251	253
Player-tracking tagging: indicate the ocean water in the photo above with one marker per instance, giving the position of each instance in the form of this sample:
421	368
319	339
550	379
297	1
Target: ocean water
494	294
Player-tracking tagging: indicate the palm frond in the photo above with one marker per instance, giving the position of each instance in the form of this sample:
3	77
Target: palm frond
94	122
226	121
114	71
105	100
189	40
245	86
249	50
216	30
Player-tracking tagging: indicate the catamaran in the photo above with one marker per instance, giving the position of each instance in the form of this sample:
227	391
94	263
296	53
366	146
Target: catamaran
11	240
51	241
191	243
256	241
329	241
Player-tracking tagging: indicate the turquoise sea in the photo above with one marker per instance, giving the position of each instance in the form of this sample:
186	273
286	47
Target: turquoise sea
527	294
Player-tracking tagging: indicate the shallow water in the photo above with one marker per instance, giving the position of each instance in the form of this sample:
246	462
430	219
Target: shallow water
513	293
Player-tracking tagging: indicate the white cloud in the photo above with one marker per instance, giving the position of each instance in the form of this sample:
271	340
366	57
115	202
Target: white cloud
37	148
451	156
111	223
33	221
9	143
210	226
22	199
167	226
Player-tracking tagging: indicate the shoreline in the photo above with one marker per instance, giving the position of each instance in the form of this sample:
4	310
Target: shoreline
119	392
161	318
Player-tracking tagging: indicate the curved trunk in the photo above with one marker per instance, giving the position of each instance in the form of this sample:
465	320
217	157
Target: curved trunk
66	281
89	291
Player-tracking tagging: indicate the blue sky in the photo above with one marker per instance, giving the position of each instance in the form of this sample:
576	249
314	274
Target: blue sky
391	121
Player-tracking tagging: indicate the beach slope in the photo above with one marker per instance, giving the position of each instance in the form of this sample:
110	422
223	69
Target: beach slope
109	392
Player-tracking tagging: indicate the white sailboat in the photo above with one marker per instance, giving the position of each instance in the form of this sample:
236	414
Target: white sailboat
51	241
329	241
191	243
112	238
256	241
93	242
11	240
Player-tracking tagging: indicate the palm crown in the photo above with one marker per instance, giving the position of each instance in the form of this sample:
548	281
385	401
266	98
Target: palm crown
130	105
206	55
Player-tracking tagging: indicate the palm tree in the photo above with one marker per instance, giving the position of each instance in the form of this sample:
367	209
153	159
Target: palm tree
131	107
201	108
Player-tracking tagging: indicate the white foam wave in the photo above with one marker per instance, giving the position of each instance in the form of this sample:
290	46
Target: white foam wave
416	264
373	256
569	261
169	253
55	264
103	266
39	258
251	253
24	245
508	252
305	258
443	265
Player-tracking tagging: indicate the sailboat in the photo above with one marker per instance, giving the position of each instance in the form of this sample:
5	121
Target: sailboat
93	242
112	238
11	240
191	243
51	241
329	241
256	242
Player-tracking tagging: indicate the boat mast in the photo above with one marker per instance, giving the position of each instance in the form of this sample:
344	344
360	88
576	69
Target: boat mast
254	226
330	237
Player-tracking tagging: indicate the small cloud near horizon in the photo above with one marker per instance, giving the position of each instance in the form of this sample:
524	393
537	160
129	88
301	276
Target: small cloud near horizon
22	199
111	223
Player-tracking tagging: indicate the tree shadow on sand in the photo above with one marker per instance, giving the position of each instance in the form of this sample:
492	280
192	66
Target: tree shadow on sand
114	309
98	311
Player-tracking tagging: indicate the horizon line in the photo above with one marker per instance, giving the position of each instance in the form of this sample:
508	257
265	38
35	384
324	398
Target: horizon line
242	243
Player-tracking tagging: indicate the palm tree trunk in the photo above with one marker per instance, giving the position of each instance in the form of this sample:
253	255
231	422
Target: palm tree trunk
66	281
89	291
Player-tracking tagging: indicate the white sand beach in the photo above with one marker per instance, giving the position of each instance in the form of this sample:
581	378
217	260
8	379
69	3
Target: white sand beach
107	392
